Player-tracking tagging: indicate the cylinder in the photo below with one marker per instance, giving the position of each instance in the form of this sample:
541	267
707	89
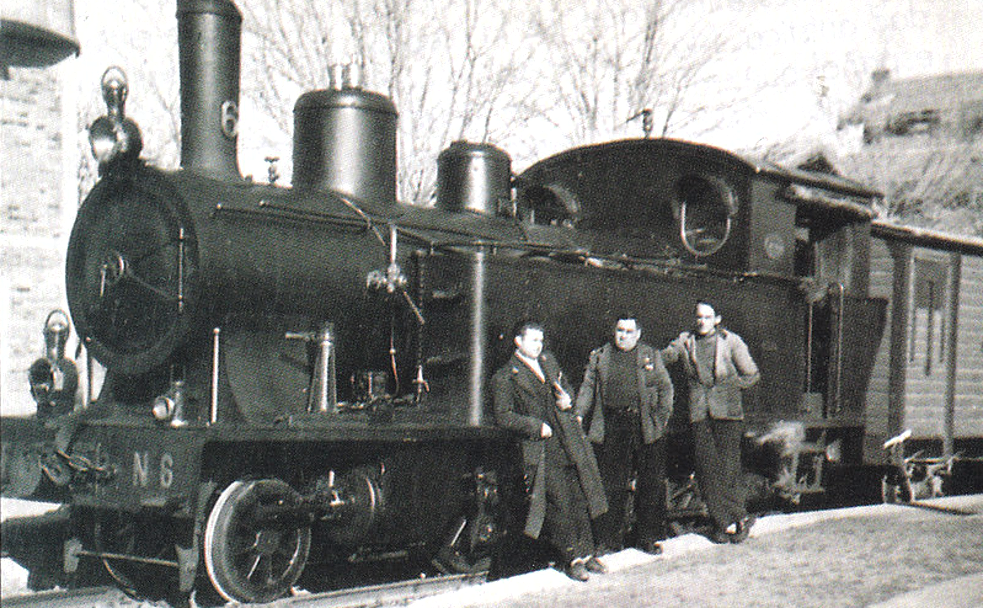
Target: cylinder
208	45
473	176
345	142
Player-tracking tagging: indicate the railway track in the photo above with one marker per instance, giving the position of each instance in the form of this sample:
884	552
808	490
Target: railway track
91	597
371	596
389	594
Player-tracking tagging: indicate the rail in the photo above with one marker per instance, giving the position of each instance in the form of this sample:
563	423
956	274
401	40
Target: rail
389	594
377	596
91	597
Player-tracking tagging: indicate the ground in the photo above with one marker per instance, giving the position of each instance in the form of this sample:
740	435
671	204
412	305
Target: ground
850	557
843	558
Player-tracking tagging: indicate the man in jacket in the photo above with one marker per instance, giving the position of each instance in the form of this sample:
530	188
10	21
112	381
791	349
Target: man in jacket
626	401
718	367
532	397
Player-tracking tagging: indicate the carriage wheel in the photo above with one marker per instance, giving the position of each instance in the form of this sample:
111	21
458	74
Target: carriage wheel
894	491
249	559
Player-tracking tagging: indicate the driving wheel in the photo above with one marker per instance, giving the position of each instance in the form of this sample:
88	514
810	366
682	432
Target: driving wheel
254	551
138	553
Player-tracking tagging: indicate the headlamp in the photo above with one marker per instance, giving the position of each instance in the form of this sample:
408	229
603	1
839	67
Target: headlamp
114	136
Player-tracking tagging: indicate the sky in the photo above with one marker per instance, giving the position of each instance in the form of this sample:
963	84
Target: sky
806	45
833	45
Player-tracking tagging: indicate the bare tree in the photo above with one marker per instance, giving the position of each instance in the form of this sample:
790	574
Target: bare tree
531	78
608	61
441	63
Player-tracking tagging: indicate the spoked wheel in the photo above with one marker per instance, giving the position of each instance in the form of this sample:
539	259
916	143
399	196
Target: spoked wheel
894	491
250	554
463	553
138	554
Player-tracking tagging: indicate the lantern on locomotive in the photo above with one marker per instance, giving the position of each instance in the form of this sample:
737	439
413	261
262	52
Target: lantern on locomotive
54	377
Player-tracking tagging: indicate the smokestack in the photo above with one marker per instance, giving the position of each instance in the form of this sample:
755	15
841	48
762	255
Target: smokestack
209	33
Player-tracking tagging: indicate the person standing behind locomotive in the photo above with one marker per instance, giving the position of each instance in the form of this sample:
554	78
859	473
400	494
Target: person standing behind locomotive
626	399
532	397
718	367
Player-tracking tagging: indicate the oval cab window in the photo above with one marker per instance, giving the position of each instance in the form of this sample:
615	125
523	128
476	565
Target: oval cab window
706	206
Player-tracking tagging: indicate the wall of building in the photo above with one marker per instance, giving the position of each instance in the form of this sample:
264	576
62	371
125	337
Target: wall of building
38	201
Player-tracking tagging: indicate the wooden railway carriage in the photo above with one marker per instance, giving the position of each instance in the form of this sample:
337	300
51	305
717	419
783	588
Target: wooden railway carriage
928	374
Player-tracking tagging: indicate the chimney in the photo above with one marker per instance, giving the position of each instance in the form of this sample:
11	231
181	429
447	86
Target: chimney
209	33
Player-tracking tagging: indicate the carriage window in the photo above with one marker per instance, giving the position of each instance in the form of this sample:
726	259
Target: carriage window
929	299
705	208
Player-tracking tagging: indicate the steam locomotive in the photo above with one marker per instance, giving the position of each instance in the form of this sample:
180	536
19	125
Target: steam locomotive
297	376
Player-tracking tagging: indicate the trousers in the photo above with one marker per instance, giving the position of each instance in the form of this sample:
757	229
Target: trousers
717	459
621	456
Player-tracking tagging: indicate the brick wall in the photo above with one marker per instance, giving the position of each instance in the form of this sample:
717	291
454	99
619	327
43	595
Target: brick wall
32	153
36	204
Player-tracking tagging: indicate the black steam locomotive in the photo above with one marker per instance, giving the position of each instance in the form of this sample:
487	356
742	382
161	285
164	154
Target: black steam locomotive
298	375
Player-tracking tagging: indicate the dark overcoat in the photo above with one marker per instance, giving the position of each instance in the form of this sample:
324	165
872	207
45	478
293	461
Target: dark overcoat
522	402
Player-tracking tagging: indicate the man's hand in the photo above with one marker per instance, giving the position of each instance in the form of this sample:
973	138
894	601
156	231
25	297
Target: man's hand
563	400
546	432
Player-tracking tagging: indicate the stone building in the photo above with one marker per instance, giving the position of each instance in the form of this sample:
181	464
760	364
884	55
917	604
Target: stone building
38	196
923	147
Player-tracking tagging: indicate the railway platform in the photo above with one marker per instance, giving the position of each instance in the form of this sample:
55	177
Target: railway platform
883	556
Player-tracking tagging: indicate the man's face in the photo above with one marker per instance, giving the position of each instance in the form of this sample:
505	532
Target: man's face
706	319
530	342
626	334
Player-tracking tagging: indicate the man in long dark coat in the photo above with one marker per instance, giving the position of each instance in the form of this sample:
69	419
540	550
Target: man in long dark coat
532	397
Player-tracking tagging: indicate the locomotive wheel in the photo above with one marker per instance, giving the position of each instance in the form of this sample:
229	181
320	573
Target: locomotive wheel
145	540
248	559
459	555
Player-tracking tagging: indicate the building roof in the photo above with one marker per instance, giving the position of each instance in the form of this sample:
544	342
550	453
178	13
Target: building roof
923	237
910	105
36	33
940	91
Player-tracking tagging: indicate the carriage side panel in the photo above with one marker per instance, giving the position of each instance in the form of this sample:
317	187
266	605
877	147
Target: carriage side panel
969	353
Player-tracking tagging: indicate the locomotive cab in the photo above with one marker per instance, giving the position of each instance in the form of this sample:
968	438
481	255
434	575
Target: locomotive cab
829	257
652	199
